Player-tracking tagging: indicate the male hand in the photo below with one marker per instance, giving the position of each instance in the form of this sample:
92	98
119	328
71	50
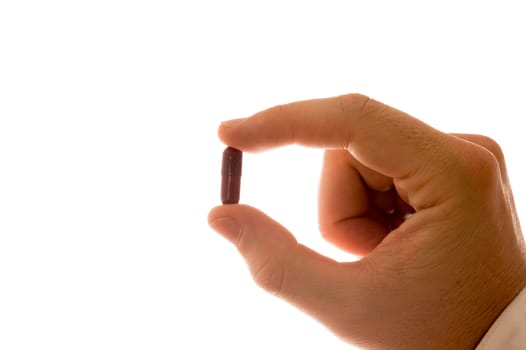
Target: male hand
437	280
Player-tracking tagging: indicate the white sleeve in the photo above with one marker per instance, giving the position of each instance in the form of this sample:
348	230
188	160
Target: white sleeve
509	329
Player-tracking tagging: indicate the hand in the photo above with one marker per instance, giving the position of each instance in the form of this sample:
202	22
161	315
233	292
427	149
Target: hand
438	280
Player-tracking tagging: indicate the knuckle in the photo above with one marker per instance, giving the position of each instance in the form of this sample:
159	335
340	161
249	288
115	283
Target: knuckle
482	165
277	111
269	276
492	146
354	102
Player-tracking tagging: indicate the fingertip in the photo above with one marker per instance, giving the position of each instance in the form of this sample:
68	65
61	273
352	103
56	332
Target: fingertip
220	211
358	236
237	211
232	123
223	219
214	213
247	217
227	130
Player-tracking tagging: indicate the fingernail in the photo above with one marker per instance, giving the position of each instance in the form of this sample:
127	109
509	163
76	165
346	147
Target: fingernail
386	188
228	227
232	122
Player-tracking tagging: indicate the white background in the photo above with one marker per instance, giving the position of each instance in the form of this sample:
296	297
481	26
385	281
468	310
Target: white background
109	160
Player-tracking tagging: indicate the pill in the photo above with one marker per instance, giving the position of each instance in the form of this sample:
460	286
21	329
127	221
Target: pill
231	175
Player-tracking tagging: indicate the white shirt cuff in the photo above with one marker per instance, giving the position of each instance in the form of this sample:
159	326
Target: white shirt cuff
509	329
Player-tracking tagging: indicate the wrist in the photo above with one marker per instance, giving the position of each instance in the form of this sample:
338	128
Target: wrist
509	330
496	296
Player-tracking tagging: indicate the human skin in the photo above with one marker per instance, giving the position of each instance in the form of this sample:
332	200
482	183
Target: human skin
437	281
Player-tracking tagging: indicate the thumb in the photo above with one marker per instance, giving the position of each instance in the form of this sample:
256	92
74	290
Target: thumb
279	264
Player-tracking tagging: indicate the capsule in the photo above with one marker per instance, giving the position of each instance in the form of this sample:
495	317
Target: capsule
231	175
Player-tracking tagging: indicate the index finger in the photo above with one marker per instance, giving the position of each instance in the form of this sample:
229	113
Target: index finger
382	138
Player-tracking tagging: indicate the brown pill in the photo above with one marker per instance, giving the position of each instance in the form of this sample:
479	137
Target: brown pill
231	175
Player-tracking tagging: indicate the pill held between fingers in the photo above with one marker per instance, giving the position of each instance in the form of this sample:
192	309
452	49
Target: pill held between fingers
231	175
